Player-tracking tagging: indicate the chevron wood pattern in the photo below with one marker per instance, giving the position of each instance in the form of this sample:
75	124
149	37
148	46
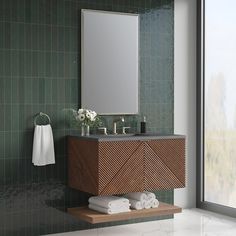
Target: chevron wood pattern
171	153
118	167
121	167
157	173
82	165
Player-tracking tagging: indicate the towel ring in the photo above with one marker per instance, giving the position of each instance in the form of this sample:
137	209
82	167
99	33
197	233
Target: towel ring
42	114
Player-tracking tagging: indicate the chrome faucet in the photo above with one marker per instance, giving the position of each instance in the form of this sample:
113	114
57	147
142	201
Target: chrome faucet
115	121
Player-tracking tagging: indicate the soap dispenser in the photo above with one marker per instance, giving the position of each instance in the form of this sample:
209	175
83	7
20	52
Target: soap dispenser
143	125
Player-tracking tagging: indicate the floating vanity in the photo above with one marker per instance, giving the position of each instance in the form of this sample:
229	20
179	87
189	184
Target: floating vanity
118	164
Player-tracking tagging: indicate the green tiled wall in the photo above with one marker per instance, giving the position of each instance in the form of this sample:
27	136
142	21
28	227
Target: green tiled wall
40	71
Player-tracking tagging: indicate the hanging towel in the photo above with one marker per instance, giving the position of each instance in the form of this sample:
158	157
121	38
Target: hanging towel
43	146
109	201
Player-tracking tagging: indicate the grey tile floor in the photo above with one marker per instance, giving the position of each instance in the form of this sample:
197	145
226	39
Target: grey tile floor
191	222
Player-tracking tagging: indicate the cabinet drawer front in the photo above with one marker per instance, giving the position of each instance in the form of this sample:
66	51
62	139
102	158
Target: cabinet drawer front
121	167
164	164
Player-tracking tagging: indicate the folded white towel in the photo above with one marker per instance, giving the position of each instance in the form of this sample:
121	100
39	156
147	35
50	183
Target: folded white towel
109	201
43	146
137	205
154	203
108	210
139	196
150	195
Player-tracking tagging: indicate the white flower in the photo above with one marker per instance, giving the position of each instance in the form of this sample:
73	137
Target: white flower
88	115
80	111
81	117
93	115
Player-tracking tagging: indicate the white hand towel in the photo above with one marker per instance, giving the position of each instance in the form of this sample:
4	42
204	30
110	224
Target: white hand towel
43	146
108	210
139	196
155	203
150	195
137	205
109	201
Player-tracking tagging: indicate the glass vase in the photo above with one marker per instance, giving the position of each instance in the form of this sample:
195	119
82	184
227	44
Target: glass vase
87	133
82	130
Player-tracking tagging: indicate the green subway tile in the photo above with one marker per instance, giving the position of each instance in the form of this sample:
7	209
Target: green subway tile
61	91
8	90
1	11
54	91
21	89
27	36
43	11
35	89
2	118
74	90
28	63
48	91
71	14
15	63
17	10
61	38
34	16
8	117
27	11
60	12
15	90
53	64
21	63
60	65
2	35
41	34
6	63
48	37
41	64
2	145
7	10
28	92
15	145
35	64
7	137
2	64
49	63
67	91
28	116
71	40
35	37
16	117
2	91
41	89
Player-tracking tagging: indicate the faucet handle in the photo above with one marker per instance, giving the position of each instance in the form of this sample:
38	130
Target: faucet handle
124	129
104	130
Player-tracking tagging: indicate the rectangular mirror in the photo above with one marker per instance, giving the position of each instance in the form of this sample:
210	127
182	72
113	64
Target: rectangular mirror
110	62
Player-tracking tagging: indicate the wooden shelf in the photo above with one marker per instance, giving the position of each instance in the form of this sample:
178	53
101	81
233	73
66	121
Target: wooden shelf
93	217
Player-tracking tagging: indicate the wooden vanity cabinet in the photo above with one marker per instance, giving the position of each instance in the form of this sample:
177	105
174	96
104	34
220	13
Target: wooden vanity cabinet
105	167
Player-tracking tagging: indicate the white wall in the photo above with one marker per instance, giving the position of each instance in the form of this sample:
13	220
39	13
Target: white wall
185	94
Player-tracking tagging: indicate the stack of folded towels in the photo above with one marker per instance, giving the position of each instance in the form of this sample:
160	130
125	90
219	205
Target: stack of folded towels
142	200
109	204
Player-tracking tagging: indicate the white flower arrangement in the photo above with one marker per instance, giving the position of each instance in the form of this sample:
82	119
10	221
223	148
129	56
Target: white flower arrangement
86	116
